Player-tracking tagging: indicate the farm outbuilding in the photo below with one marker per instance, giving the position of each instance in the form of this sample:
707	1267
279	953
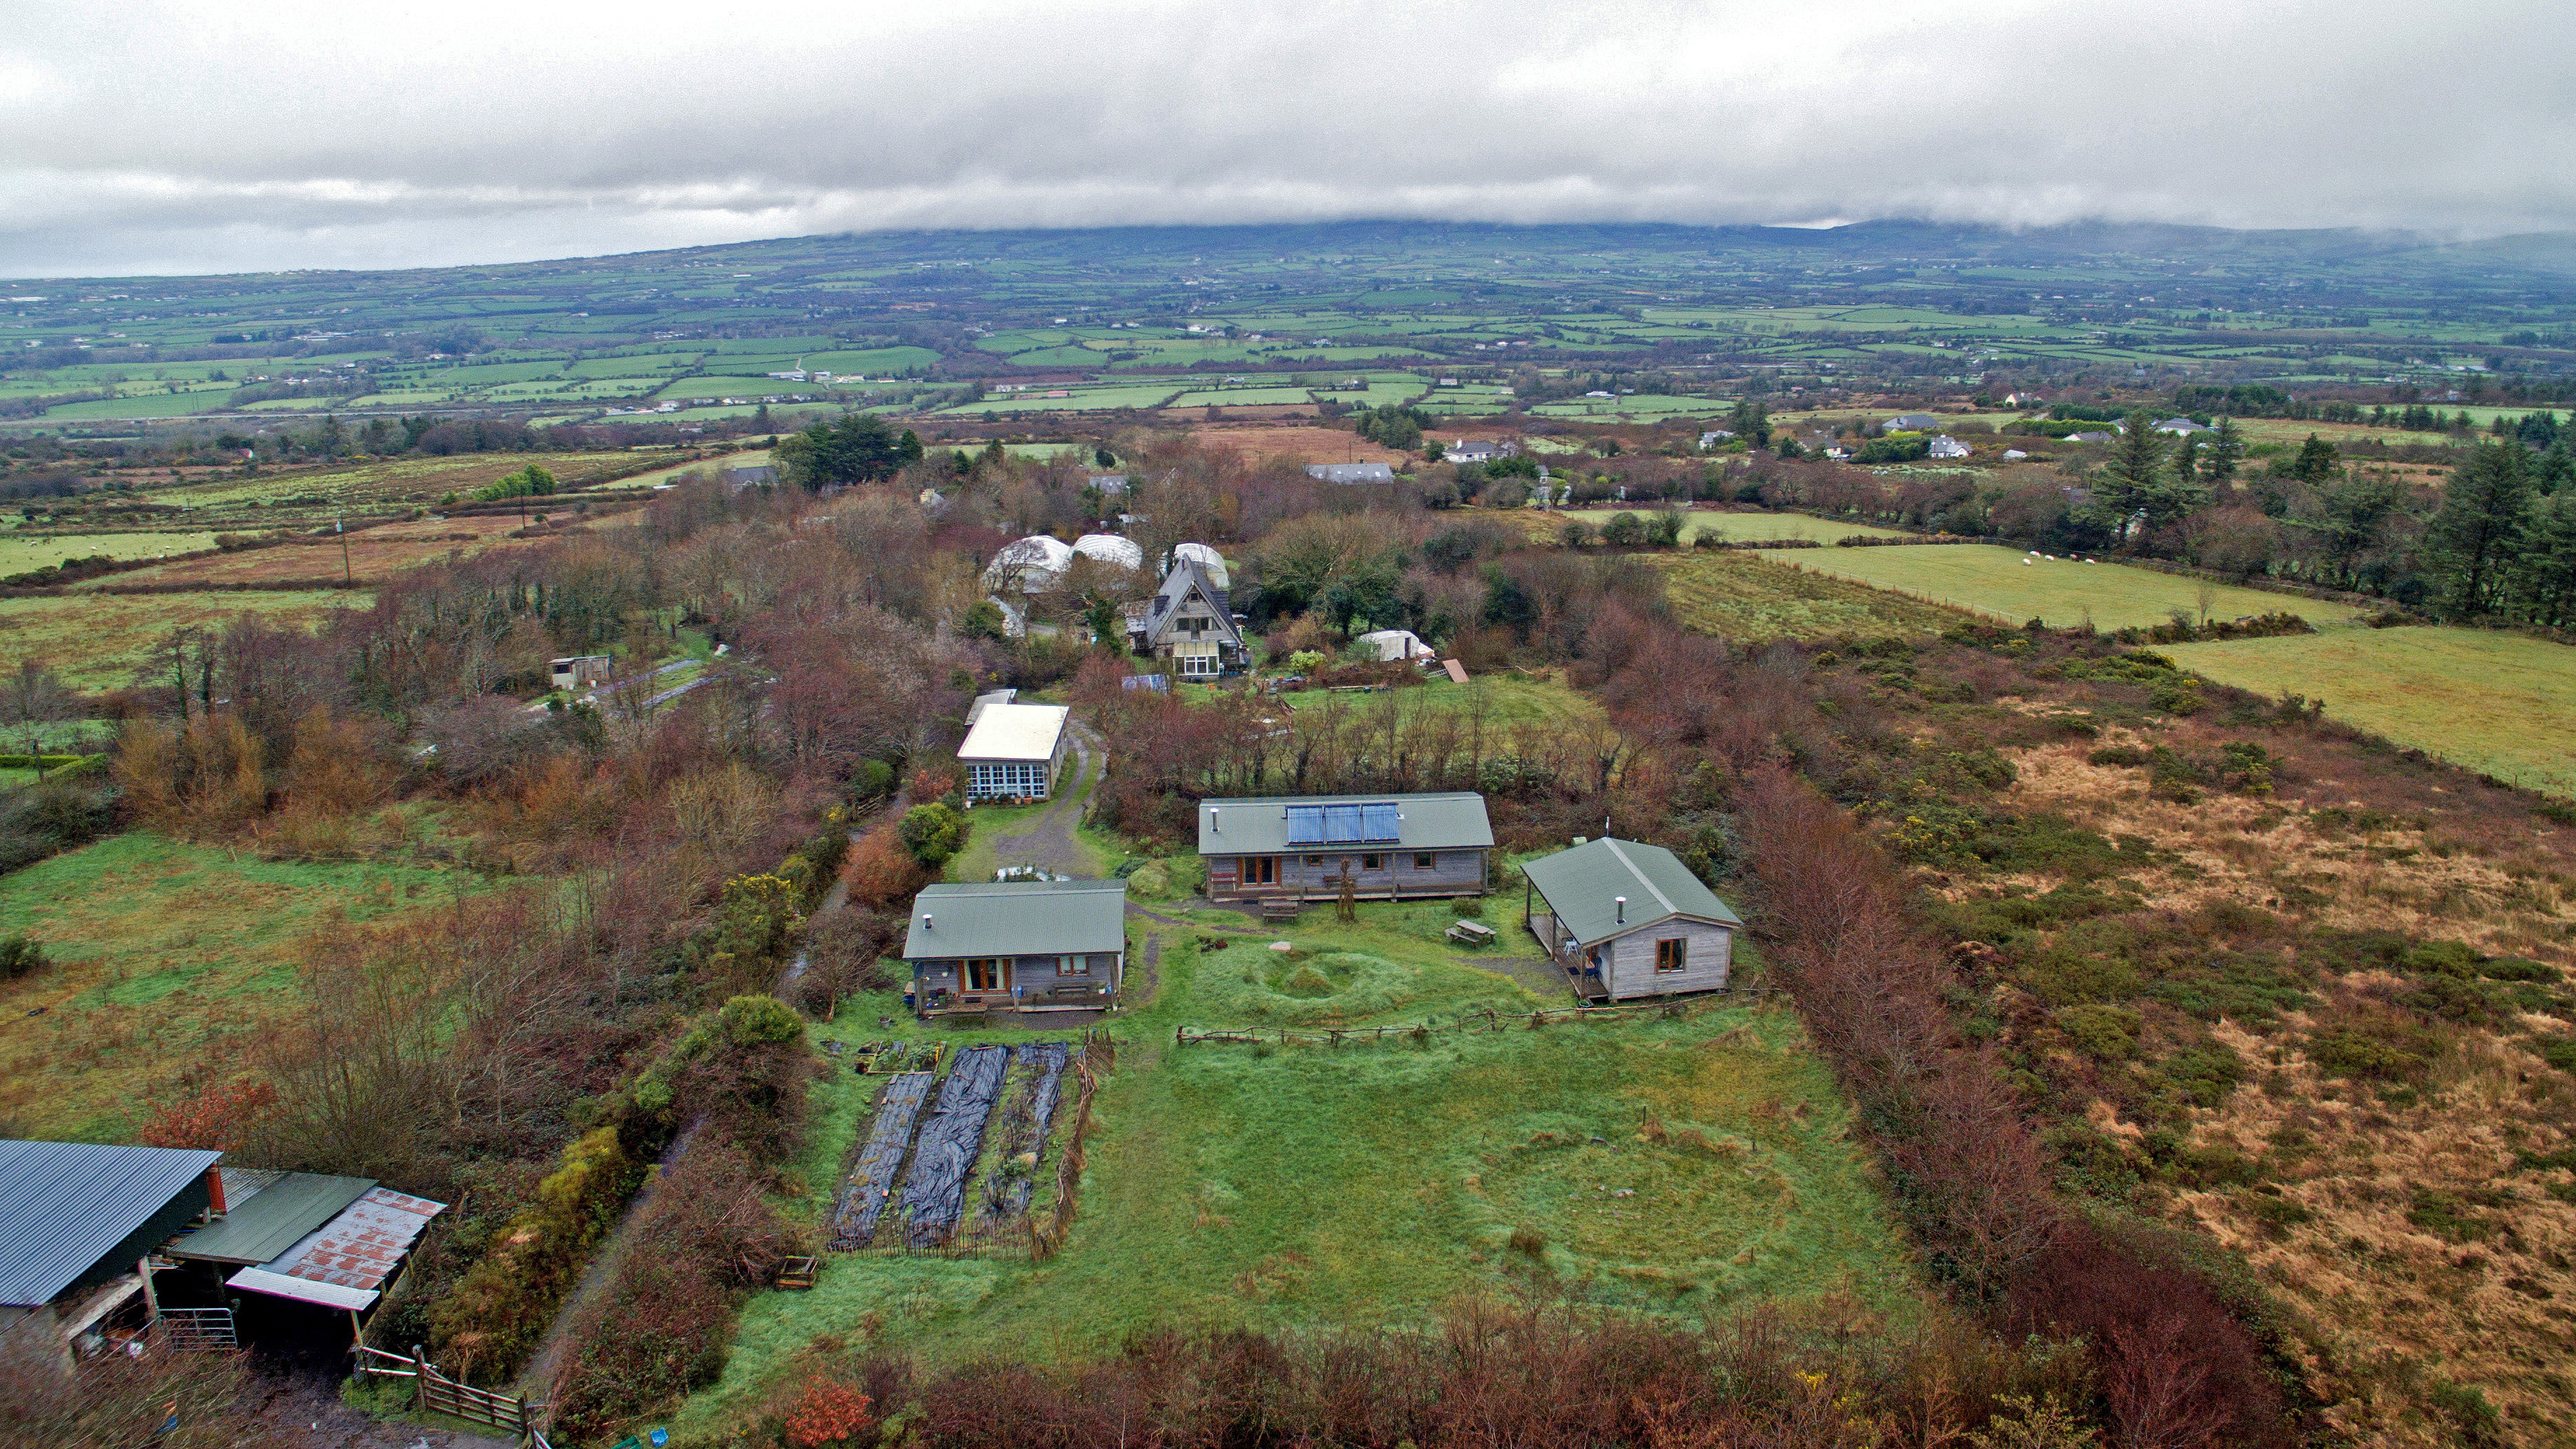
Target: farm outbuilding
1023	946
1303	847
1626	919
77	1223
1351	472
1014	751
579	671
1912	423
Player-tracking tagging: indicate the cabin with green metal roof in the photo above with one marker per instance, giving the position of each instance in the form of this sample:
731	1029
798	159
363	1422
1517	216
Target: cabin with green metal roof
1628	920
1047	947
1308	847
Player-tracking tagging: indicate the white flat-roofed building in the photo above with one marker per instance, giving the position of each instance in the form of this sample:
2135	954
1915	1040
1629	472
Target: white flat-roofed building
1013	751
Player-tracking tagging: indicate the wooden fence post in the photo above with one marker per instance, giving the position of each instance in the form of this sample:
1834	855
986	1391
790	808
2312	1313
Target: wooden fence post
419	1380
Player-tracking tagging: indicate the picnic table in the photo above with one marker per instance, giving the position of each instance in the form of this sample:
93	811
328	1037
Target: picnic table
1472	933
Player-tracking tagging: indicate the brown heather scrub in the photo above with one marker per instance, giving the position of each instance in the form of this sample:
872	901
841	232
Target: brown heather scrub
2316	1013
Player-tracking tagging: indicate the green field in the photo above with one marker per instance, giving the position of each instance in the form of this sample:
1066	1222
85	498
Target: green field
2504	704
98	641
20	552
1506	699
1748	526
1368	1184
162	951
1998	583
1745	595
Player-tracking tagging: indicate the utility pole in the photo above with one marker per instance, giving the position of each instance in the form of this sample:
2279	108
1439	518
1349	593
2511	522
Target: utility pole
348	576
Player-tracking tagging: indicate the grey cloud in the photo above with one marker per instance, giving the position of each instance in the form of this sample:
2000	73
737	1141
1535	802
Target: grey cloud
200	138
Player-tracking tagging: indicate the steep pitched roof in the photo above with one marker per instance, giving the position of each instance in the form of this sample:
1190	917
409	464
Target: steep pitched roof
1582	888
1188	575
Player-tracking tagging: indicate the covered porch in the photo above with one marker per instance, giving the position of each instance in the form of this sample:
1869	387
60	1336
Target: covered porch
1582	967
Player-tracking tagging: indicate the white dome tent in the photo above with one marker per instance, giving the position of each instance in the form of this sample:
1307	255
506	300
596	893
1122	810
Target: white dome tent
1210	562
1109	548
1029	565
1392	645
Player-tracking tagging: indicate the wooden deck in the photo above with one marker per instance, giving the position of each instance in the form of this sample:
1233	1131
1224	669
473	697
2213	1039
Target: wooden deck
1585	979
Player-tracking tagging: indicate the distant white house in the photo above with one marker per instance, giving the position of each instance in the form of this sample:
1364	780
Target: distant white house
1715	436
2090	437
1109	484
1912	423
1351	472
2180	427
1946	446
1598	393
2014	455
1476	450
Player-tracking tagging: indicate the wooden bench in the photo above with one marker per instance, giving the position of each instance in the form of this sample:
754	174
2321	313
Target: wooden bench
1472	933
1282	908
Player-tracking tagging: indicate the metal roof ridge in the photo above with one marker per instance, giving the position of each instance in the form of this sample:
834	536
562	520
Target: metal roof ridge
1669	908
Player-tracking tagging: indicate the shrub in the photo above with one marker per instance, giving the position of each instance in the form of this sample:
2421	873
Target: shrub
2104	1033
21	955
933	833
881	870
827	1413
213	1119
758	1020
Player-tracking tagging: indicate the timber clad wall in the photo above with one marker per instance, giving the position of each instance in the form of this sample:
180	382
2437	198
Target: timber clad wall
1628	962
1310	875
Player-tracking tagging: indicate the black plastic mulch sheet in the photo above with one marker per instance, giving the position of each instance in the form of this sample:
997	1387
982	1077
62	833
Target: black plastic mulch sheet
1031	1135
863	1197
934	1191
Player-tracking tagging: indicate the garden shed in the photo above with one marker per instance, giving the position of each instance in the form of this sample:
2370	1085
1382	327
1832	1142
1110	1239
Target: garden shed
1626	919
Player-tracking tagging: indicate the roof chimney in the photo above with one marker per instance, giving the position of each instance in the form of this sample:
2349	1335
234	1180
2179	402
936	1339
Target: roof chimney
1213	823
1622	902
925	920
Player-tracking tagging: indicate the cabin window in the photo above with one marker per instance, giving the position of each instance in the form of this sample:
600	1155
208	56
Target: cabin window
1261	870
1672	954
984	973
1425	860
1073	966
1372	862
1314	862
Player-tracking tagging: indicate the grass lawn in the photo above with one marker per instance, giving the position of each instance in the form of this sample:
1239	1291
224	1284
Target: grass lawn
2501	703
1508	698
98	641
1995	582
995	832
1741	595
1366	1185
1757	524
20	553
161	951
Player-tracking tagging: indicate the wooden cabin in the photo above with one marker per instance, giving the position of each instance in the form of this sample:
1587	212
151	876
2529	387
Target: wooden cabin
1021	946
1299	847
1626	919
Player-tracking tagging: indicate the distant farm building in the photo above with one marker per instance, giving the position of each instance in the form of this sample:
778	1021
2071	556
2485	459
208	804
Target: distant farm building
1351	472
580	671
1912	423
1946	446
1627	919
1715	436
1476	450
737	480
1392	646
1306	847
1013	751
2180	427
1022	946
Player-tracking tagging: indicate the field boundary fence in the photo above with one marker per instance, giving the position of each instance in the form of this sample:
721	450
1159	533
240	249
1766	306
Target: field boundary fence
433	1392
1475	1023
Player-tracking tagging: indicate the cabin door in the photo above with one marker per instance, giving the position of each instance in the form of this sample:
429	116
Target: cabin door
1260	870
989	974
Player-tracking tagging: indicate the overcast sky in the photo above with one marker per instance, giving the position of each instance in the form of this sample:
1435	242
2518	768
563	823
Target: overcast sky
236	136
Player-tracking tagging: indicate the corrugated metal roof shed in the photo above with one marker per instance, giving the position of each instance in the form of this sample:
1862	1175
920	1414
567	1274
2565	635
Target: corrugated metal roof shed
1449	820
268	1222
344	1263
66	1205
1017	918
1582	887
